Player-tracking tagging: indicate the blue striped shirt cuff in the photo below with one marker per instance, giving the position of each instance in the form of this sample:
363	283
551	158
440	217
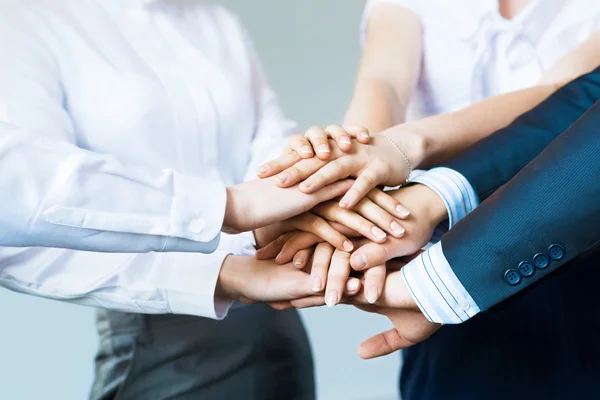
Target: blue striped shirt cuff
430	279
436	289
454	189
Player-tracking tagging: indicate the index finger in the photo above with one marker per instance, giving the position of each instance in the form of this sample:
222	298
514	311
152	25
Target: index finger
279	164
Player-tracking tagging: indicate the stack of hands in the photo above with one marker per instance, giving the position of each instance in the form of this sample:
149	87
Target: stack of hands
345	239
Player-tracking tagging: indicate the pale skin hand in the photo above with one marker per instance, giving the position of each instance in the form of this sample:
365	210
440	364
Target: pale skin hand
250	280
316	140
396	303
370	257
259	203
427	212
330	270
378	163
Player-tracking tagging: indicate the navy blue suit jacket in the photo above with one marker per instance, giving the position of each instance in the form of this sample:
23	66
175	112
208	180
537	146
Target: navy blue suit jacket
539	180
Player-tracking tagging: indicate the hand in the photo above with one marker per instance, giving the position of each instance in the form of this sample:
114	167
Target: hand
259	203
330	270
305	223
396	303
427	212
372	165
371	217
316	141
248	279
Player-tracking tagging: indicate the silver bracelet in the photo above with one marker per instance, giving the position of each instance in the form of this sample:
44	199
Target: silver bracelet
410	168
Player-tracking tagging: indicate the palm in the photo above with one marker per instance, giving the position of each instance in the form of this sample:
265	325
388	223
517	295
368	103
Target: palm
410	327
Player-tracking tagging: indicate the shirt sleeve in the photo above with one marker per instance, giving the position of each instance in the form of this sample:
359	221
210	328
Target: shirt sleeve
436	289
430	279
413	5
273	129
57	194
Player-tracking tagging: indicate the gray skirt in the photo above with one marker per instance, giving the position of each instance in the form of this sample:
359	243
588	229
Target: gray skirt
256	353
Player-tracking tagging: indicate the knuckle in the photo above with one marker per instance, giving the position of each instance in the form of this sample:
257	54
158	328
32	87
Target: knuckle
368	180
316	132
334	128
316	224
319	268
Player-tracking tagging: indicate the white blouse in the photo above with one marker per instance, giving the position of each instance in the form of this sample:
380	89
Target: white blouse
472	52
120	123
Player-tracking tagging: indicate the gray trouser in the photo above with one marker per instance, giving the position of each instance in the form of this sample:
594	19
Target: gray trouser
256	353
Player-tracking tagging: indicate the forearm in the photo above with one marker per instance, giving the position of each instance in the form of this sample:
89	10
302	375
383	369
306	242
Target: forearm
389	68
150	283
443	136
446	135
375	105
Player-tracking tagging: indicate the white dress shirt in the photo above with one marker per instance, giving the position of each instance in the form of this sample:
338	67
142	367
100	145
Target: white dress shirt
121	122
471	52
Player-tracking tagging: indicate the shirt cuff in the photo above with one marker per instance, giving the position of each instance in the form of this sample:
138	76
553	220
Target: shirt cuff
436	289
455	190
192	283
195	215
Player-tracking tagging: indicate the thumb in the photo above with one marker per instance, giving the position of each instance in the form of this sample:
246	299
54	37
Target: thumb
382	344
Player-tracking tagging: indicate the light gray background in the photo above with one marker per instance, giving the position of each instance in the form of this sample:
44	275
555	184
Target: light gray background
309	49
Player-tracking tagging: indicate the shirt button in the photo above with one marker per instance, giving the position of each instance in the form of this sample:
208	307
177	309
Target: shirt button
526	268
541	260
464	305
556	252
196	226
512	277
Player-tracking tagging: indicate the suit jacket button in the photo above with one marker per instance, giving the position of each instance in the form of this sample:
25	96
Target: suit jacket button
526	268
541	260
512	277
556	252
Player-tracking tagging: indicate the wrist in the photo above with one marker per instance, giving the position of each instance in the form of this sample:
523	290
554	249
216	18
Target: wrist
231	222
229	281
430	205
433	204
413	143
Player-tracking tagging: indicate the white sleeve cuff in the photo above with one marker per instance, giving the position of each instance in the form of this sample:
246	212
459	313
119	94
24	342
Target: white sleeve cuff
455	190
436	289
198	208
191	285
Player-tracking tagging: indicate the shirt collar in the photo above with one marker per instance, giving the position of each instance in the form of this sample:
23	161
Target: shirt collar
532	21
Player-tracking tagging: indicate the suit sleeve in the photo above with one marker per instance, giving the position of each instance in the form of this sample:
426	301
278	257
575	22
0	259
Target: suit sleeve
493	161
545	216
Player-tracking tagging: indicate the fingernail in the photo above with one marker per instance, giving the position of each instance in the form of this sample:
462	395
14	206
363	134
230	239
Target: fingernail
361	261
378	233
331	299
402	211
304	186
316	285
353	286
364	135
281	178
343	203
323	148
397	228
372	295
348	245
263	169
345	140
306	149
299	261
